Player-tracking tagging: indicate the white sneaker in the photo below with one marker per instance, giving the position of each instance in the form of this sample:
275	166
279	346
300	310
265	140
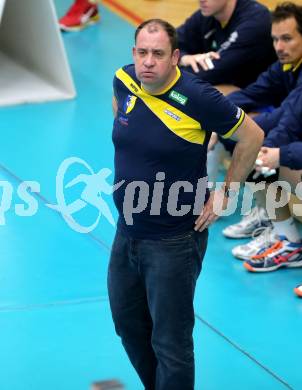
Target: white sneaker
245	228
266	238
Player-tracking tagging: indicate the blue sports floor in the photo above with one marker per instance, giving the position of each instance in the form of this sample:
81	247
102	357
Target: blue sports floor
56	331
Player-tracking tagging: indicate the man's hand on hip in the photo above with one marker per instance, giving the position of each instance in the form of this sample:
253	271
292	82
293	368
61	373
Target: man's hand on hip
212	210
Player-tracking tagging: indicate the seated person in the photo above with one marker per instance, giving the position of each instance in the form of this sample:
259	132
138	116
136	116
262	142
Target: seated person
234	35
283	80
279	245
278	86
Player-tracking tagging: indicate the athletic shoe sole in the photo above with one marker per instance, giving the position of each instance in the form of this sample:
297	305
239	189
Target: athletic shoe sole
293	264
238	235
80	27
246	235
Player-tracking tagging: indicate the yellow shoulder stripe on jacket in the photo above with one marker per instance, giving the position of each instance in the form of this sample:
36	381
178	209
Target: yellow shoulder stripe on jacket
234	128
178	122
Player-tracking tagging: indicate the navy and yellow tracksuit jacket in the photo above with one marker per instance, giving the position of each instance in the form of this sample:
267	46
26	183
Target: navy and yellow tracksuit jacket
166	134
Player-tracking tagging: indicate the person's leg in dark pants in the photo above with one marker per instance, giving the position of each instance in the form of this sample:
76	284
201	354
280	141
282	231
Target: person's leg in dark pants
171	268
129	308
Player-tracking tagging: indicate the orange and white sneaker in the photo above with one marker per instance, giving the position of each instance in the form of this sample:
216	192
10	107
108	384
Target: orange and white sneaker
298	290
81	14
282	253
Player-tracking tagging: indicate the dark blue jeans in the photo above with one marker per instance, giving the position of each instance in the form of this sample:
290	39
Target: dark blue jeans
151	287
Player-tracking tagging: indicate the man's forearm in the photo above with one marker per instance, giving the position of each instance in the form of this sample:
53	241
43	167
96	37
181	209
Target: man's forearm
242	163
245	153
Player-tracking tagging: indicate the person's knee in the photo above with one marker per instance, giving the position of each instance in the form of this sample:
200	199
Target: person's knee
166	350
293	177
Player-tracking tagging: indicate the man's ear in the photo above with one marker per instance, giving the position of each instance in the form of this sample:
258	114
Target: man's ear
175	57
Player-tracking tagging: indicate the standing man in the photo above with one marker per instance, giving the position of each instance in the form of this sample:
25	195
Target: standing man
163	122
234	35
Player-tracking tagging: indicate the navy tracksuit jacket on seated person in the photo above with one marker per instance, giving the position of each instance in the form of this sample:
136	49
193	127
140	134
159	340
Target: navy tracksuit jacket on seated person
244	43
281	87
288	135
276	87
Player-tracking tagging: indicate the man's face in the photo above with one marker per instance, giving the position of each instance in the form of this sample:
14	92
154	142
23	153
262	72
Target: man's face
153	58
287	41
212	7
